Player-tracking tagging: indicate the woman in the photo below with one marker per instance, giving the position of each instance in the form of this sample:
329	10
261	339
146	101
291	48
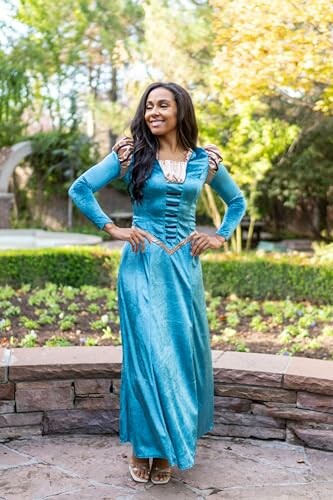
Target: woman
166	400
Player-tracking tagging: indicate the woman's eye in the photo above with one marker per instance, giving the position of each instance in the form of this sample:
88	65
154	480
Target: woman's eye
163	105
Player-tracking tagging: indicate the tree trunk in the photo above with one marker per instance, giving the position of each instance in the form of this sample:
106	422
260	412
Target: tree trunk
113	94
213	210
250	232
238	239
323	218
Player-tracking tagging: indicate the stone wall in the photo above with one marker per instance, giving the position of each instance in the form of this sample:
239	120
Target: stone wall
76	390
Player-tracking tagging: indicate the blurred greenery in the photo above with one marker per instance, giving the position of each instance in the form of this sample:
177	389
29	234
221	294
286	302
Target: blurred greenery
248	275
259	74
58	157
68	266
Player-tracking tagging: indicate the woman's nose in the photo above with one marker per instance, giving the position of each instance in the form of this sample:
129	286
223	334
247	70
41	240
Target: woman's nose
154	110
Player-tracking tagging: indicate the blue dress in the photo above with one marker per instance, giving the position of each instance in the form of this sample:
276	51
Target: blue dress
166	400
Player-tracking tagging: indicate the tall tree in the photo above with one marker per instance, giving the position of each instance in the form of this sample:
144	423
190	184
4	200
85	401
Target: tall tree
178	41
14	97
78	48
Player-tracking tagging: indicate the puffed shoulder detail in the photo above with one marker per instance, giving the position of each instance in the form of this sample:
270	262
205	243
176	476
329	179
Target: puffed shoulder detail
214	159
124	149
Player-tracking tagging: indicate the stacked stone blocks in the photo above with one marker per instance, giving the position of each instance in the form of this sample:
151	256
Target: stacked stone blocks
274	397
76	390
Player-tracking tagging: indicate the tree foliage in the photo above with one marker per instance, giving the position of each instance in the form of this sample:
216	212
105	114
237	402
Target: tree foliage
260	74
77	49
275	46
303	177
14	98
178	42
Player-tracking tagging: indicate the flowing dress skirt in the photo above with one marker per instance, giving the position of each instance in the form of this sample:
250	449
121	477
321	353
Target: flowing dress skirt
167	379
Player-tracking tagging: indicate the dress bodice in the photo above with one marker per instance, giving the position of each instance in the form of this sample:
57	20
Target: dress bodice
168	209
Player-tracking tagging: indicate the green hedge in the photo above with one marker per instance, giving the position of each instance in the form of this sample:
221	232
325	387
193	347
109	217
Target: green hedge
248	275
269	277
74	266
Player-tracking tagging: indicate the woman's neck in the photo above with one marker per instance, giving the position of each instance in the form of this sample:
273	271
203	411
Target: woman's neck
170	149
168	143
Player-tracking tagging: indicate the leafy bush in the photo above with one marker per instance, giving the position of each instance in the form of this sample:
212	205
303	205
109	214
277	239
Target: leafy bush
57	341
323	252
66	266
268	277
58	157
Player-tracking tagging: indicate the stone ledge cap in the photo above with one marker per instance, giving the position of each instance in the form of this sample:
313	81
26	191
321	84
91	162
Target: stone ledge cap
311	368
253	362
307	374
5	355
39	363
30	356
294	369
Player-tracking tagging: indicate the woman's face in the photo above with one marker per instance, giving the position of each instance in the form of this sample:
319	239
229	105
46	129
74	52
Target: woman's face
161	112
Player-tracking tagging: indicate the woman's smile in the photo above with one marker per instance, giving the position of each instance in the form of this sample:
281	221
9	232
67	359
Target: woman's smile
156	122
161	112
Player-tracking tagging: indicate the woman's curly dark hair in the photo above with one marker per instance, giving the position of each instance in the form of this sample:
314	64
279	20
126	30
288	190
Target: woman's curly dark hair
146	144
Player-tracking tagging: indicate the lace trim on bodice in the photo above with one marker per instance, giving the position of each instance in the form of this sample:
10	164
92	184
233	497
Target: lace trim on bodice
175	171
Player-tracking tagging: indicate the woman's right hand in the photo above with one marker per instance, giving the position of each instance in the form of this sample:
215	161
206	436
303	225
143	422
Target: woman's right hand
134	235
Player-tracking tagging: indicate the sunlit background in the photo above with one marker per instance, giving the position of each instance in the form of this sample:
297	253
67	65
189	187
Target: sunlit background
260	74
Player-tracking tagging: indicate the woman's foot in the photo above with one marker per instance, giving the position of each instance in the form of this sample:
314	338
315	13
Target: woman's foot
160	472
139	469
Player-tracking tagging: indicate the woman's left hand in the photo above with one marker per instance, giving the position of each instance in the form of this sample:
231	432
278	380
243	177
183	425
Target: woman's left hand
203	241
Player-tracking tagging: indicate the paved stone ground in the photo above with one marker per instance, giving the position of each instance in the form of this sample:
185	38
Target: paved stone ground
95	467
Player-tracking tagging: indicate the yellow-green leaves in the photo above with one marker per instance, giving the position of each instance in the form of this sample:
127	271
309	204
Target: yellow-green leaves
269	46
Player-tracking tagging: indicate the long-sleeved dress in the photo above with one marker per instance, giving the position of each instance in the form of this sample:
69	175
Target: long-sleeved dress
166	400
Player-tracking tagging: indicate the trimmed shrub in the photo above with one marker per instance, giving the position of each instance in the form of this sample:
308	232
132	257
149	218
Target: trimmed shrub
73	266
269	277
248	275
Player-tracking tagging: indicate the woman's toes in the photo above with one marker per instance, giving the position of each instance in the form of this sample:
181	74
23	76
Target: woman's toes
144	474
141	466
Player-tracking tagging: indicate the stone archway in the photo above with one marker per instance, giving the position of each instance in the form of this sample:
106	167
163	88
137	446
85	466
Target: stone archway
9	159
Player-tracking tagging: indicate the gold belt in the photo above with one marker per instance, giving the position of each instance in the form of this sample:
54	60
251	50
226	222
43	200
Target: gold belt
174	249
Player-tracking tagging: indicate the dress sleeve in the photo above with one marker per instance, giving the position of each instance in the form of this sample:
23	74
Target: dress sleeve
222	182
82	191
